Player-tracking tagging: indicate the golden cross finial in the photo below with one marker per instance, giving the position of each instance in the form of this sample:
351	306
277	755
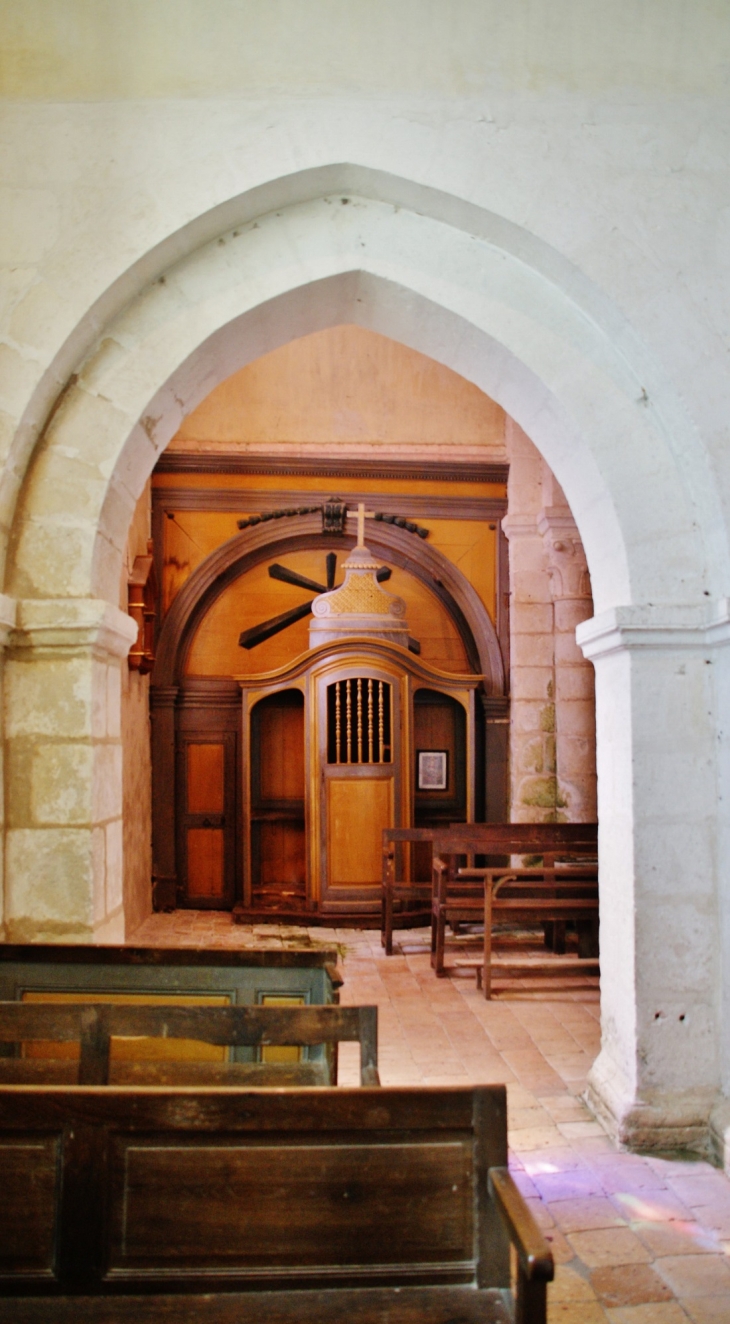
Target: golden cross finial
362	515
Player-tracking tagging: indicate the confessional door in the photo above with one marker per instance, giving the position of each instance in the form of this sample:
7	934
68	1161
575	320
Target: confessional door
360	770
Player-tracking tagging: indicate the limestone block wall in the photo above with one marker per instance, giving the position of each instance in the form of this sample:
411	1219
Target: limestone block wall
63	752
553	726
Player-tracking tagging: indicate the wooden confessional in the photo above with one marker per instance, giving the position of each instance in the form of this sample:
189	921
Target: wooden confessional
330	758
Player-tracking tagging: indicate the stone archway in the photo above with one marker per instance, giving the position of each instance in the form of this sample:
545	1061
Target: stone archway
512	317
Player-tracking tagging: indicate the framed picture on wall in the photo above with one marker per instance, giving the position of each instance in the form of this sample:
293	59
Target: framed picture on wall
433	769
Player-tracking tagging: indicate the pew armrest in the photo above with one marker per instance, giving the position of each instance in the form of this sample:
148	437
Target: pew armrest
533	1252
535	1266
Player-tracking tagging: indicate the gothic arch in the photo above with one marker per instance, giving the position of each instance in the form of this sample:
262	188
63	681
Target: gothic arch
511	315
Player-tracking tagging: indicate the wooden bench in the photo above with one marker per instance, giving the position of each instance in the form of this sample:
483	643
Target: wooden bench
551	895
94	1025
241	976
405	902
458	894
232	1206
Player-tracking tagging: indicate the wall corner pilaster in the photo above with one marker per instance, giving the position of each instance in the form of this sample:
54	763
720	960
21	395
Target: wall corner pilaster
62	699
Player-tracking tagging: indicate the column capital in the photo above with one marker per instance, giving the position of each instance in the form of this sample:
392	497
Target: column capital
566	559
72	626
656	626
520	526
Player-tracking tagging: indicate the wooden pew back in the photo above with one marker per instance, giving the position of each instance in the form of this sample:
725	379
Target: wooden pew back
283	1192
517	839
235	976
457	897
94	1025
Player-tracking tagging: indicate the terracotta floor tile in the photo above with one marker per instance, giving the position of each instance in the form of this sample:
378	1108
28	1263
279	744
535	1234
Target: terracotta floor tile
710	1190
582	1130
696	1275
576	1312
609	1246
628	1285
576	1185
534	1138
520	1118
708	1309
584	1215
650	1206
525	1183
676	1238
637	1191
661	1312
569	1285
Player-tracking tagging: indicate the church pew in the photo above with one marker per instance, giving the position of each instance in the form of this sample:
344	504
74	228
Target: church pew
554	895
458	894
404	902
242	976
94	1025
275	1206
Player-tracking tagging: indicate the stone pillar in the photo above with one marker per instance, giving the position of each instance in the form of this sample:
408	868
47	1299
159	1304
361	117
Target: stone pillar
533	765
63	849
658	1072
575	712
553	771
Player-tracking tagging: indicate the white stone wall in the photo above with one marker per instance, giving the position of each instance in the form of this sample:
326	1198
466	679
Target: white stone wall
537	197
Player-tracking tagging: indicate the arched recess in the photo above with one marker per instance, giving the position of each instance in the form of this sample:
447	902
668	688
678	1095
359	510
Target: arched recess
270	540
512	316
172	691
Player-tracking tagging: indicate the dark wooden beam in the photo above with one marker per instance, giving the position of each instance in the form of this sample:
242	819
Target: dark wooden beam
258	633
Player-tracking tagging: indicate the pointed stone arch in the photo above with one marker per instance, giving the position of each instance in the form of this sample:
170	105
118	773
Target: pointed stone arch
512	316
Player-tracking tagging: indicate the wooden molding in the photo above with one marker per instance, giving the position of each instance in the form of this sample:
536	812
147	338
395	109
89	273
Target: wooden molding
231	462
244	500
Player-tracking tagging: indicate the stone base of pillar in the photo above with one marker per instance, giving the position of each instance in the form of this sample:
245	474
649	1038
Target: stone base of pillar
665	1121
720	1133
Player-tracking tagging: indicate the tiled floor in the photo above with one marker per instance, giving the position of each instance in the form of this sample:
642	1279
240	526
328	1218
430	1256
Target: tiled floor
636	1240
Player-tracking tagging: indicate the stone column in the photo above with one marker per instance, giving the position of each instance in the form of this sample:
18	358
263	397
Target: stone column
658	1072
63	851
575	713
533	767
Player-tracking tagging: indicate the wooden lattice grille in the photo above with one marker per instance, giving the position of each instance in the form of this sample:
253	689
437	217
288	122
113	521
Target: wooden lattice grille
359	721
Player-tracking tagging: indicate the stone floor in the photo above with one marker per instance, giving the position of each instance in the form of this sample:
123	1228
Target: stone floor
636	1240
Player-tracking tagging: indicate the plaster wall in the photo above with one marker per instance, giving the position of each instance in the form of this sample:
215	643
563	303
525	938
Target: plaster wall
536	197
349	389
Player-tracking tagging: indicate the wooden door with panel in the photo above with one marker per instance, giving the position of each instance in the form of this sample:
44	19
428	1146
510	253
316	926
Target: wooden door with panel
360	743
206	819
